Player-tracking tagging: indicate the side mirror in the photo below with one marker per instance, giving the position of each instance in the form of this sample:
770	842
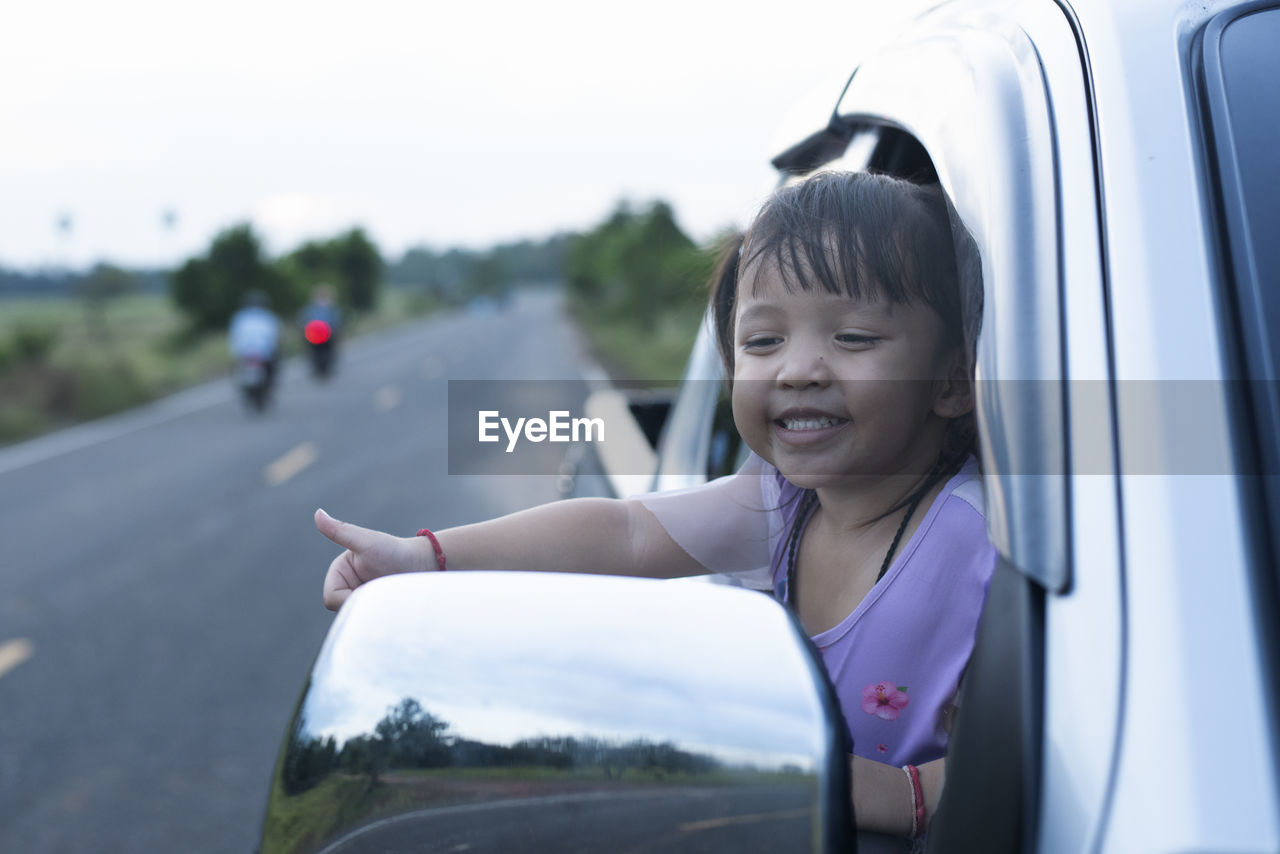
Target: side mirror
496	712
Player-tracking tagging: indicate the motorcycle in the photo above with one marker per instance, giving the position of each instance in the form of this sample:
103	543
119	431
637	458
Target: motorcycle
321	345
254	377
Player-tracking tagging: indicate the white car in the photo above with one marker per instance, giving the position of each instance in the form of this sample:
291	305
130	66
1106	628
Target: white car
1118	165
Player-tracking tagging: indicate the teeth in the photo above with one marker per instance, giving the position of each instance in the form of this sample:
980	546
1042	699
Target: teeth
809	423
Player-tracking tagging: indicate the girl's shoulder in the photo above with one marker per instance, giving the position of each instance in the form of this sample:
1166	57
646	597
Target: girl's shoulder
954	532
965	487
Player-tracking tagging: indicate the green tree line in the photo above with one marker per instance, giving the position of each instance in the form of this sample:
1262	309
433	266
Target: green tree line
637	264
211	287
456	274
634	281
411	737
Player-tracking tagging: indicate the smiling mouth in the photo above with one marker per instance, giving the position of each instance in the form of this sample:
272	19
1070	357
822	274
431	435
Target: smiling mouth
809	424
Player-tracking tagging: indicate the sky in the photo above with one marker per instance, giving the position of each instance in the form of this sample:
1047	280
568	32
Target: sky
134	131
417	636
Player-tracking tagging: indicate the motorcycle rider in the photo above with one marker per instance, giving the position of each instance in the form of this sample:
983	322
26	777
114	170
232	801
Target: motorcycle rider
255	333
320	324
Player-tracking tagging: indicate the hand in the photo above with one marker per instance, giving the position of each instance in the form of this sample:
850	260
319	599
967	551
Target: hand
370	554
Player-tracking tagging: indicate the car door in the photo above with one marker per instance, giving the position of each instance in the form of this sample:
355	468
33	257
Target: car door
1131	565
1109	212
964	101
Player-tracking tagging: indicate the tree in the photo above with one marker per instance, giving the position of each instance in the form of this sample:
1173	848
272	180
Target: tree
412	737
209	289
359	269
307	762
351	263
636	265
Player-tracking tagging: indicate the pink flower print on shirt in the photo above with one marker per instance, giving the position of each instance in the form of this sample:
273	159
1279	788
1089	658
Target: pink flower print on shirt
883	748
884	700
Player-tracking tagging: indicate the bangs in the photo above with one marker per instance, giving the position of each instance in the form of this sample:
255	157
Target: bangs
862	236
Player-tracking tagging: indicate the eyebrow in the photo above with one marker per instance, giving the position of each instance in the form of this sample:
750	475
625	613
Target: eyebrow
760	308
880	309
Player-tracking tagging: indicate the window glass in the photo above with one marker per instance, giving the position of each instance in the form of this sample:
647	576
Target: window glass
1240	70
726	452
1248	133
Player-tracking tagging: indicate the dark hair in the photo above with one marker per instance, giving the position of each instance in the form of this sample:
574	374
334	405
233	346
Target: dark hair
863	235
853	233
724	292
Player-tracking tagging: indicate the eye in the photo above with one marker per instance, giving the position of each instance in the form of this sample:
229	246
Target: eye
761	342
856	340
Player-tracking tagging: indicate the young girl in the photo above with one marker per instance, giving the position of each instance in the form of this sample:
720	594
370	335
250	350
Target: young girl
850	351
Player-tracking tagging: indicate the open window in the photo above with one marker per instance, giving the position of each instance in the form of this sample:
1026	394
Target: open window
967	105
994	757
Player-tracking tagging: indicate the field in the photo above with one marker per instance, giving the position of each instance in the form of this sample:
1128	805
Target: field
65	360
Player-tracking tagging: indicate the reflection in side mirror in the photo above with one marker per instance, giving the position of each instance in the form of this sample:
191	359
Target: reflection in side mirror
497	712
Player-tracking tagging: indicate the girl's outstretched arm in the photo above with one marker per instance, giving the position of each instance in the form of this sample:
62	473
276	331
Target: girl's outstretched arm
599	535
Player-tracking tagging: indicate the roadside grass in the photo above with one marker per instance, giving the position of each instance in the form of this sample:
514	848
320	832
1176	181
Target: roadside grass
63	361
307	820
622	775
303	822
632	353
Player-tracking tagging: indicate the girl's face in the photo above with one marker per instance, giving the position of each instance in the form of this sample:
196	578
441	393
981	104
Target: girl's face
826	387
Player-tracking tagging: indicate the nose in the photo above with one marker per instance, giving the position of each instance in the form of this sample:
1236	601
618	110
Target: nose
804	365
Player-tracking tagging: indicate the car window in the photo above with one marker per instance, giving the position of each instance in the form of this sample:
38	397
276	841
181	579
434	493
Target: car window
725	453
1246	125
1243	127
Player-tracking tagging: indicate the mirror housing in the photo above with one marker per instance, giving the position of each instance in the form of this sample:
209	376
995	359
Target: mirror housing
555	712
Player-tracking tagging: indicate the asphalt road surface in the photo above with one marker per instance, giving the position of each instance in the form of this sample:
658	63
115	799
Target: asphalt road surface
684	820
161	575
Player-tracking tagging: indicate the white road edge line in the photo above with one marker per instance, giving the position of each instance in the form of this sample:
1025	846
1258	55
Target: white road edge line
290	464
14	652
90	433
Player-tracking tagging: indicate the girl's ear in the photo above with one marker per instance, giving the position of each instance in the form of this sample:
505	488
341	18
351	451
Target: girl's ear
953	395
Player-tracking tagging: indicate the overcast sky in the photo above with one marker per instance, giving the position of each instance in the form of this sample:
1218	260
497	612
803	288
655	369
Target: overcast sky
426	123
703	683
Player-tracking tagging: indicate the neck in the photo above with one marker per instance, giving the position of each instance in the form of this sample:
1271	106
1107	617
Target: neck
851	507
854	503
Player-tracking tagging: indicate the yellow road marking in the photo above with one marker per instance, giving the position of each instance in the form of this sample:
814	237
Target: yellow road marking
753	818
290	464
14	652
388	397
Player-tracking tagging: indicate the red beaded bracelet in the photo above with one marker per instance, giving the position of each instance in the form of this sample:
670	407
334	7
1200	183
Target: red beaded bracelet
435	544
917	801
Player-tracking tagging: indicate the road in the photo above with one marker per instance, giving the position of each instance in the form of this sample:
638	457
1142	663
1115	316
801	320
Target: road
672	821
161	576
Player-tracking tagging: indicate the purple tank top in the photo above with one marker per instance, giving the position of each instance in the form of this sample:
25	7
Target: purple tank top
897	660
